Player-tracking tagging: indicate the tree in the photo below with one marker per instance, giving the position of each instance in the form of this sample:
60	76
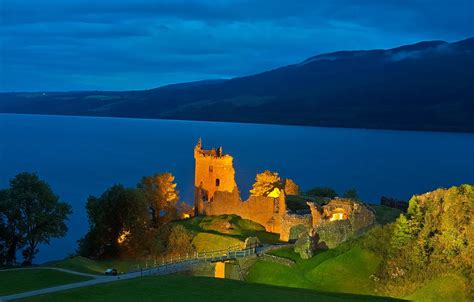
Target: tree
159	191
117	223
38	214
4	234
435	237
291	188
266	183
180	241
10	237
322	192
351	194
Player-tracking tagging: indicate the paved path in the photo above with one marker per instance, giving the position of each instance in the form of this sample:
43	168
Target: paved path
160	270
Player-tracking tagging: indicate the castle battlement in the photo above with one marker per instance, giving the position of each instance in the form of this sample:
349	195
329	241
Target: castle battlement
212	153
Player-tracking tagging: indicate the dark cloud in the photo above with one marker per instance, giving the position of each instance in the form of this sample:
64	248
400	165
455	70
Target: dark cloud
136	44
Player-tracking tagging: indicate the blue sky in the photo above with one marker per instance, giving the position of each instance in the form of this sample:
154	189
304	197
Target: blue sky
52	45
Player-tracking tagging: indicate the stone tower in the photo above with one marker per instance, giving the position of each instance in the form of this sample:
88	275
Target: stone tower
214	172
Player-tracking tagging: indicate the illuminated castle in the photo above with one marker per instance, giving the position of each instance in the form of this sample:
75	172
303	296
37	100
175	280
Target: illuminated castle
216	193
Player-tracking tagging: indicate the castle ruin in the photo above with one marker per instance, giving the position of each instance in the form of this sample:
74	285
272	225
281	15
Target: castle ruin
217	193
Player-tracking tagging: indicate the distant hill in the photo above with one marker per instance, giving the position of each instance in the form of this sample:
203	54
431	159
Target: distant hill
425	86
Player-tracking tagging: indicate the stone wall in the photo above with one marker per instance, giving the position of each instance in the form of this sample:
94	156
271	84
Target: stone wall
291	222
276	259
263	210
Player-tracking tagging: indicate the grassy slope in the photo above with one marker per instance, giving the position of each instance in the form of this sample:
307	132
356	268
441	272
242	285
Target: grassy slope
183	288
205	242
344	269
445	288
223	231
22	280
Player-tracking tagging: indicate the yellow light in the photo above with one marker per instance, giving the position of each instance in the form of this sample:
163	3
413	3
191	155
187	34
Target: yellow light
275	193
121	239
337	216
186	216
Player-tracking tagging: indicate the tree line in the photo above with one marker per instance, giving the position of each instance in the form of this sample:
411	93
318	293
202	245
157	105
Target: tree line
122	221
134	222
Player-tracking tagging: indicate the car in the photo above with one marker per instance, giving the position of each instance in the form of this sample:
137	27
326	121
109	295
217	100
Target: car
111	272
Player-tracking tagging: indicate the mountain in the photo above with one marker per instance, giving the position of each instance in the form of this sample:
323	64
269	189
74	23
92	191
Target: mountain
424	86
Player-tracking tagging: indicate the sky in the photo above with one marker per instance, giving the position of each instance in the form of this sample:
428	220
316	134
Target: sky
66	45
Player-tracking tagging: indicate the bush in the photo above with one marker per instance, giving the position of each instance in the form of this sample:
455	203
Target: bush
322	192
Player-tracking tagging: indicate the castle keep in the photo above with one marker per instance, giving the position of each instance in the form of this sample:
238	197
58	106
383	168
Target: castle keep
216	193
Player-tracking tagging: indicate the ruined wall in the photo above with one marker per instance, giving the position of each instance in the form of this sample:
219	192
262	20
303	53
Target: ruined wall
290	222
316	213
362	218
356	218
263	210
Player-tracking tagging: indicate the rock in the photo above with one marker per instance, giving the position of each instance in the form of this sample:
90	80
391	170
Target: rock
251	242
306	245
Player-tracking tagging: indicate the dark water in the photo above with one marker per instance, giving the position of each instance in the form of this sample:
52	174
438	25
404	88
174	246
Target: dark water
79	156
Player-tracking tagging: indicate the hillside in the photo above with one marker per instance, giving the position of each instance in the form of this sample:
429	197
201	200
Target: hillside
425	86
212	233
349	268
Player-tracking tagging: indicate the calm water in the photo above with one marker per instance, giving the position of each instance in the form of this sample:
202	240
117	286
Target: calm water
80	156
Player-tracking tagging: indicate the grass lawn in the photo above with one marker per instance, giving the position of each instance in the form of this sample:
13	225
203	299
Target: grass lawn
89	266
184	288
445	288
22	280
346	268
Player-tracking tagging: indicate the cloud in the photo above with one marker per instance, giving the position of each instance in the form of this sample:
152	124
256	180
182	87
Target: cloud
137	44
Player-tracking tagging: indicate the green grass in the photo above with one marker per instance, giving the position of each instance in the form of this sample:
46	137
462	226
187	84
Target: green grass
206	242
346	268
184	288
89	266
227	226
384	215
349	272
450	287
23	280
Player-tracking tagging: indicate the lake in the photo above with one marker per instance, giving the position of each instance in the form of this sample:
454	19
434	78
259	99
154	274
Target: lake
82	156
